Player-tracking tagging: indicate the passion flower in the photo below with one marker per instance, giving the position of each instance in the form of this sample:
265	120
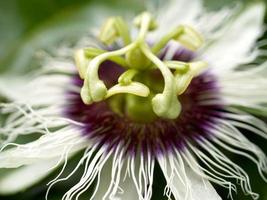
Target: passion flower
172	96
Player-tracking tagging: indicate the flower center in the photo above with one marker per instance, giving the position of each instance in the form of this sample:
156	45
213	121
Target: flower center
148	88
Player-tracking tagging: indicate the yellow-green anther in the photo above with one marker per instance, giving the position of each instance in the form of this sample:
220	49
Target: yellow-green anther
97	87
184	79
145	22
113	28
126	77
164	104
81	62
134	88
186	35
139	20
182	67
123	30
196	68
190	38
85	95
108	33
166	38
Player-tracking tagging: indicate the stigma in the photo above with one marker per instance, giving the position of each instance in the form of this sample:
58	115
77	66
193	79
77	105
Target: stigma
138	92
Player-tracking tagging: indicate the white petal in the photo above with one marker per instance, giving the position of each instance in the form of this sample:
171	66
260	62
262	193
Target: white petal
25	177
172	13
48	146
50	87
36	104
235	44
182	181
246	88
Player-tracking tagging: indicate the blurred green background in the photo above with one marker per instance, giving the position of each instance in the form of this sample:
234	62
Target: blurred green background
30	26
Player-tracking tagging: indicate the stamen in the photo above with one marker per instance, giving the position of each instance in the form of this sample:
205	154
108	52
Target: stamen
139	59
113	28
190	38
139	20
186	35
184	79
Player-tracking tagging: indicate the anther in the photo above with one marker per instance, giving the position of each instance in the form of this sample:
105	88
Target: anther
114	28
184	79
190	38
183	34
